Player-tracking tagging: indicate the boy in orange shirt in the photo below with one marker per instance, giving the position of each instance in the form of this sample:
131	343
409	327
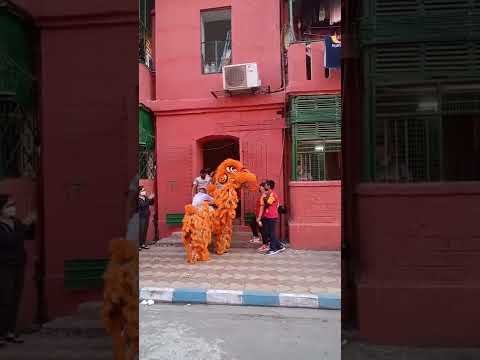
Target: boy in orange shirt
268	218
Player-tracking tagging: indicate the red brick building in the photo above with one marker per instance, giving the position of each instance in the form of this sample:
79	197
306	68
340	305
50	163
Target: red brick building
286	128
67	148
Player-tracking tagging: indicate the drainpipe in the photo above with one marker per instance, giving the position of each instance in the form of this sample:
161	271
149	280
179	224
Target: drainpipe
40	263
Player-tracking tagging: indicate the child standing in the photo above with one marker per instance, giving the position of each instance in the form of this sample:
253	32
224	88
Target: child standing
254	225
269	218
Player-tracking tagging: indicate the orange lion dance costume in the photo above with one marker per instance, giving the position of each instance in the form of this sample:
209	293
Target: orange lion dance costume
200	224
120	299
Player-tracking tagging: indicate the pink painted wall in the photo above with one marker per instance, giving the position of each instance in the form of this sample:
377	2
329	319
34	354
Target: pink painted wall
315	215
259	133
420	263
183	100
297	73
178	58
24	191
150	187
89	131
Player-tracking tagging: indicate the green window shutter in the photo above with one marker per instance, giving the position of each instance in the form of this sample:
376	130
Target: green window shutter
321	108
146	136
391	21
426	61
316	137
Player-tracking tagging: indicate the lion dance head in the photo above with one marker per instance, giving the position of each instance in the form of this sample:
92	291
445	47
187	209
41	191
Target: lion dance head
233	172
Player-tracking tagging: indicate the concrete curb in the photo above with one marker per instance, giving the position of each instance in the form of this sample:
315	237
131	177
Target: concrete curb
246	298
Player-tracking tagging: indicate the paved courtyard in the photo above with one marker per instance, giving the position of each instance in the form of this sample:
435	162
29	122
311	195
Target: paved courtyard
293	271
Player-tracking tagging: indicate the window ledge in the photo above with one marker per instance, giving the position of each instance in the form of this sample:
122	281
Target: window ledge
427	189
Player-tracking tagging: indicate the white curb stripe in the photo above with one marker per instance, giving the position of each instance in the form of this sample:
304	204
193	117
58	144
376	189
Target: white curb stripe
298	300
232	297
157	294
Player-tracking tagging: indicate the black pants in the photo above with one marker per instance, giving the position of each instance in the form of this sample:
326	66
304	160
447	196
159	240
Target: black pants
256	230
143	229
270	231
11	289
254	226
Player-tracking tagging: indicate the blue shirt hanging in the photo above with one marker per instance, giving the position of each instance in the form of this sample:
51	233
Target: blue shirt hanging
333	53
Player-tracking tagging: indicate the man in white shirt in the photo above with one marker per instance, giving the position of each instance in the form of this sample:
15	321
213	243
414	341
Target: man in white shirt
200	197
201	182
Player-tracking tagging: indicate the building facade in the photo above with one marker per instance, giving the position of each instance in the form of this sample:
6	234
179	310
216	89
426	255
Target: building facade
411	188
287	129
55	70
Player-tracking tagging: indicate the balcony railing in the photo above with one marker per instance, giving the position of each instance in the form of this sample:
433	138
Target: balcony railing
215	55
145	46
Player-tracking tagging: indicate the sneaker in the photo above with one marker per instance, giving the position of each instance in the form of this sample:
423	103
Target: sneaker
263	248
255	240
273	252
282	249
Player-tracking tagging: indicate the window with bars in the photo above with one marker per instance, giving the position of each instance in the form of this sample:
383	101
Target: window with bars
216	45
145	8
18	157
316	137
427	133
318	161
147	168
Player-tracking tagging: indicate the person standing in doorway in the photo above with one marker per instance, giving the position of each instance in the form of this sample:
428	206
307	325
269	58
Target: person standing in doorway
201	182
13	234
269	218
144	203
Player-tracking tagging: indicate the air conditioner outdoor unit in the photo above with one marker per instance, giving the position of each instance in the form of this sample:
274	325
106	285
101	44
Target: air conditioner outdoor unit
240	77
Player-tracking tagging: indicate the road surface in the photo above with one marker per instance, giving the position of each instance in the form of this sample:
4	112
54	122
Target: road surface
206	332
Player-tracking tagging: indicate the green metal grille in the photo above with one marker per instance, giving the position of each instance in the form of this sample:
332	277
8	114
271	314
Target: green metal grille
421	70
419	132
84	274
18	127
316	132
318	161
174	219
147	165
145	32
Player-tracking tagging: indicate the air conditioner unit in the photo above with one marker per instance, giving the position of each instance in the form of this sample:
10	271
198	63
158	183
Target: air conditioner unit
240	77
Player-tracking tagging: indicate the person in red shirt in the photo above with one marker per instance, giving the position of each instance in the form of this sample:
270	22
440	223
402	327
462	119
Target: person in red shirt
256	230
268	218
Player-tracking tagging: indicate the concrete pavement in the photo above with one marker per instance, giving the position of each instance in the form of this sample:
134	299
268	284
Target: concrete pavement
292	278
211	332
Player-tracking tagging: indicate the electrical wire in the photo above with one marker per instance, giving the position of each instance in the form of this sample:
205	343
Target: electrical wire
219	148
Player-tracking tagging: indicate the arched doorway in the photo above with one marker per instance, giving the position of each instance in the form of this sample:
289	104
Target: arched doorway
215	149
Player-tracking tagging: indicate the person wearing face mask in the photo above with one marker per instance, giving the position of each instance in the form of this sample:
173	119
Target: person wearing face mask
13	234
144	203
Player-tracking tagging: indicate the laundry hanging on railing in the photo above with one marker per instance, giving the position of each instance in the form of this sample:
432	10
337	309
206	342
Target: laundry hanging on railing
333	52
335	11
